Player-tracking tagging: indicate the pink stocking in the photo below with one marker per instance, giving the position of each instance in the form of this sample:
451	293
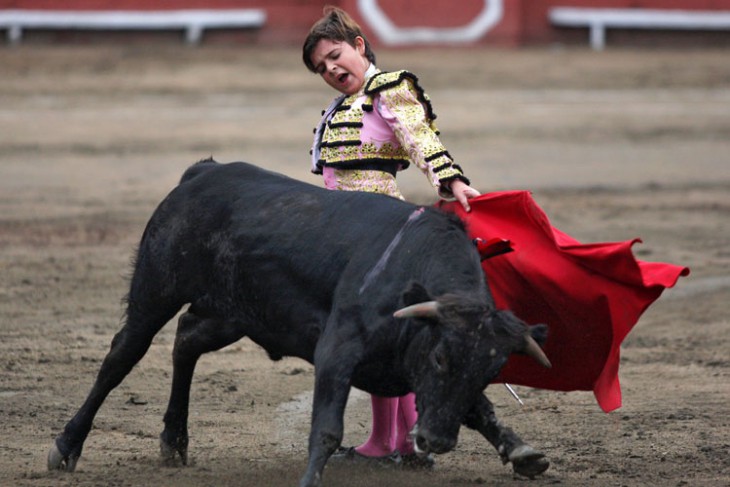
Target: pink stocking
407	417
383	436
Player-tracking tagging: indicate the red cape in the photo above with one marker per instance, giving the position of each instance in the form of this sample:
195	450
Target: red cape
589	295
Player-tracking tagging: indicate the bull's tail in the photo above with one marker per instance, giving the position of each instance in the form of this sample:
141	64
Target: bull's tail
198	168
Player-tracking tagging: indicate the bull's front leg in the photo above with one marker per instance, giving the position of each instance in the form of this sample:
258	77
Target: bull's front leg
333	376
525	459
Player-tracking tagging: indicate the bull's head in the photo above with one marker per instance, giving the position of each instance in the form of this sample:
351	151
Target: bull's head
459	345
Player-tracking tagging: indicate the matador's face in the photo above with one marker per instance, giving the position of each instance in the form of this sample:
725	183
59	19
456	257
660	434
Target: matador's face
341	65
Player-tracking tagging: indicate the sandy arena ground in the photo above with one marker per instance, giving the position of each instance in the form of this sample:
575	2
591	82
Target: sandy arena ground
615	145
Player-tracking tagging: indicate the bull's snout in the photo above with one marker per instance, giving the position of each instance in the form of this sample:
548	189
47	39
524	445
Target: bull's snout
426	443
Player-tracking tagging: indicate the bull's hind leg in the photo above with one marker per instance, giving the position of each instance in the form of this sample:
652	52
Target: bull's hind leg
526	461
195	336
127	348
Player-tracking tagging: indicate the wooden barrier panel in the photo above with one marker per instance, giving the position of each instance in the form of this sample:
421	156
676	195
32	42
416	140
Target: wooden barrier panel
599	19
192	21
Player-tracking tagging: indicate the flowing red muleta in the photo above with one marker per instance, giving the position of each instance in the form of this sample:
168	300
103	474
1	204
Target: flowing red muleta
589	295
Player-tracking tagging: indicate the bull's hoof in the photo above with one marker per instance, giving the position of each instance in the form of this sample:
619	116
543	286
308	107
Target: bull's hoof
350	455
528	462
414	461
59	461
171	456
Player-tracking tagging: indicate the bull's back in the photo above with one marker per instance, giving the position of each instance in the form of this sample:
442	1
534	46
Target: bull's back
250	200
238	222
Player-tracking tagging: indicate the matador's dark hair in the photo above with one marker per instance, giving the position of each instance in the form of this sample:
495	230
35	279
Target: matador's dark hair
335	25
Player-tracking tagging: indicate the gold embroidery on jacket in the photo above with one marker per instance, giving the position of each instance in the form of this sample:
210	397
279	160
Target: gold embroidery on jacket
342	146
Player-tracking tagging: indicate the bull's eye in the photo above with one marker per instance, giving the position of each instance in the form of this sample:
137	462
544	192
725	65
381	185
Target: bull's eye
439	360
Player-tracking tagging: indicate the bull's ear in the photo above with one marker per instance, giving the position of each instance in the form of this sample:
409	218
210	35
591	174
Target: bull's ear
415	293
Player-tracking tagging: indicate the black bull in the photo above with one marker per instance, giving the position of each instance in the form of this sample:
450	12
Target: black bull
377	293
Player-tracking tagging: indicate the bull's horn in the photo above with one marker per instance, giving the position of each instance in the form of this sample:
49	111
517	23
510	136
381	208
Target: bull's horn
428	309
533	350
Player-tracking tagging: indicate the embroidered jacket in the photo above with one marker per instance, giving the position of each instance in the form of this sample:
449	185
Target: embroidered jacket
365	138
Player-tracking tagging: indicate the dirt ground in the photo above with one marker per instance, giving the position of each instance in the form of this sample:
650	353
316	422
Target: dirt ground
614	145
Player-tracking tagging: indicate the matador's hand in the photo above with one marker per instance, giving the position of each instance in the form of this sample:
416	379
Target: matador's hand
463	193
